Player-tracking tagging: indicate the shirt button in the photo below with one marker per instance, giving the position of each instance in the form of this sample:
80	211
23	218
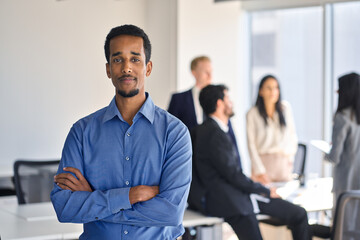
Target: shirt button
127	182
126	232
127	158
128	134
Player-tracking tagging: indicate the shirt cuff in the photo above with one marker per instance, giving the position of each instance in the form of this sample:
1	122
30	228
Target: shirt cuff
119	199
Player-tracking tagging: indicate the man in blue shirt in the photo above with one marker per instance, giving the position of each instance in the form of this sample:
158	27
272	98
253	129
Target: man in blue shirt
125	170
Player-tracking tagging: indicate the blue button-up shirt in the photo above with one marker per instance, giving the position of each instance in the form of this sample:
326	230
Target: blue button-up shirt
114	156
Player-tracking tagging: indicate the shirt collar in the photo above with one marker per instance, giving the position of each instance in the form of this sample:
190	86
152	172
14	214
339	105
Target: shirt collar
196	91
147	110
223	126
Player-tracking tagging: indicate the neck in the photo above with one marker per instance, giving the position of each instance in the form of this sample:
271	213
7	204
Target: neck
270	109
197	85
128	107
222	117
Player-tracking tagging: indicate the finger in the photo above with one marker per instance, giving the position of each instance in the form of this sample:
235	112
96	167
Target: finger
67	182
64	187
75	171
63	175
67	176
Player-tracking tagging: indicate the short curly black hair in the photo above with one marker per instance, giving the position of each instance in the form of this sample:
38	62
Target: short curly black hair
209	96
128	30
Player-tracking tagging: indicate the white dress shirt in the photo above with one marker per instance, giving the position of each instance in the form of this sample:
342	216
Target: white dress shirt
222	125
198	110
270	138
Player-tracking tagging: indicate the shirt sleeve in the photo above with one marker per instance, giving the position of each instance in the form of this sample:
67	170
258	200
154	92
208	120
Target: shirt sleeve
221	157
82	206
339	134
167	208
256	163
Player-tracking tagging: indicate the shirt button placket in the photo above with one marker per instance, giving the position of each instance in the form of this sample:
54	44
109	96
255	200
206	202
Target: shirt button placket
127	164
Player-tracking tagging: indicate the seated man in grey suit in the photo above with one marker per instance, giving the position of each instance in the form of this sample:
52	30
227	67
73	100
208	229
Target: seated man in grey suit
220	188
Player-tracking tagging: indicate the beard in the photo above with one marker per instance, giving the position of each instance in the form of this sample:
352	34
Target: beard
229	113
130	94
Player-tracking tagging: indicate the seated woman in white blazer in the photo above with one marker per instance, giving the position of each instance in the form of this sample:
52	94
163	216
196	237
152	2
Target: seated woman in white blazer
271	135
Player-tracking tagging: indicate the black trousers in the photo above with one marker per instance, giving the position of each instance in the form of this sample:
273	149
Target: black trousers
295	217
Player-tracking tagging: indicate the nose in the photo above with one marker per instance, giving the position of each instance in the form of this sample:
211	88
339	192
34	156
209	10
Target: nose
126	67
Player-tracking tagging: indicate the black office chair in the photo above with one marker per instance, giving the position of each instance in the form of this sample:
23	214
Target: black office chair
299	164
7	192
34	180
346	220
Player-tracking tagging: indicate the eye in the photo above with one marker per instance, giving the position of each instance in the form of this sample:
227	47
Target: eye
135	60
116	60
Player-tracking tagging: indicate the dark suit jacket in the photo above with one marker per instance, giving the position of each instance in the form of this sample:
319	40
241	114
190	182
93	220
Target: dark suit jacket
219	187
182	106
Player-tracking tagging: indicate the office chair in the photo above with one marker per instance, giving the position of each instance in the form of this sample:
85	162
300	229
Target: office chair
346	220
34	180
299	164
7	192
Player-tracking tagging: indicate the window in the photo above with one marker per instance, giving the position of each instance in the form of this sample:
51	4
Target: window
287	43
346	41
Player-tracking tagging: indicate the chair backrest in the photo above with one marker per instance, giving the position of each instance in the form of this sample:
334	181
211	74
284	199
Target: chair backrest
34	180
346	224
299	163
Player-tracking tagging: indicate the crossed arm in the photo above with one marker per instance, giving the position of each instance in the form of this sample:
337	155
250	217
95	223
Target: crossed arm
67	181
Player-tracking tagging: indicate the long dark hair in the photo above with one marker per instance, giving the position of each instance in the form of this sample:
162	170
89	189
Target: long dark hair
261	105
349	94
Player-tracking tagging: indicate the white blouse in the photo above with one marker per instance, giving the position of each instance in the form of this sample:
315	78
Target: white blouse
270	138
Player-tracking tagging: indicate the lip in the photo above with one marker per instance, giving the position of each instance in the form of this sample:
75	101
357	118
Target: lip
127	79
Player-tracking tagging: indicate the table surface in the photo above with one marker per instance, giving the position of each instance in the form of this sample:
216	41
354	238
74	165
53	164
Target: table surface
315	196
38	220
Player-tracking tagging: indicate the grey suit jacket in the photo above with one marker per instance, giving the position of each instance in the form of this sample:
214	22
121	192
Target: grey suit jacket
345	152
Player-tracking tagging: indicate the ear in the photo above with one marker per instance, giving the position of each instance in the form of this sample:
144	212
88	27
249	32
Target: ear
219	104
148	68
193	72
108	70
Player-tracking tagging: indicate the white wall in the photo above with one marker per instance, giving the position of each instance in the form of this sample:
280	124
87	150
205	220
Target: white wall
52	68
52	65
215	30
161	26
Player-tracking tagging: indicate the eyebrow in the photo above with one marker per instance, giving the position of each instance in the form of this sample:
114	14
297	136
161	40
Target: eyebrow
135	53
116	54
119	53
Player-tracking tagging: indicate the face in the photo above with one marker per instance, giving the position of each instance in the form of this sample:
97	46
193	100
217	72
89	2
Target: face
270	91
127	68
228	105
203	73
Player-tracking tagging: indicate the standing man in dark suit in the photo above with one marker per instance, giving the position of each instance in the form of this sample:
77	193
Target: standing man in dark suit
221	189
186	106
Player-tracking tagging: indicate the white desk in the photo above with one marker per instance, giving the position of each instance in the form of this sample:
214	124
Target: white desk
315	196
193	218
13	227
38	221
